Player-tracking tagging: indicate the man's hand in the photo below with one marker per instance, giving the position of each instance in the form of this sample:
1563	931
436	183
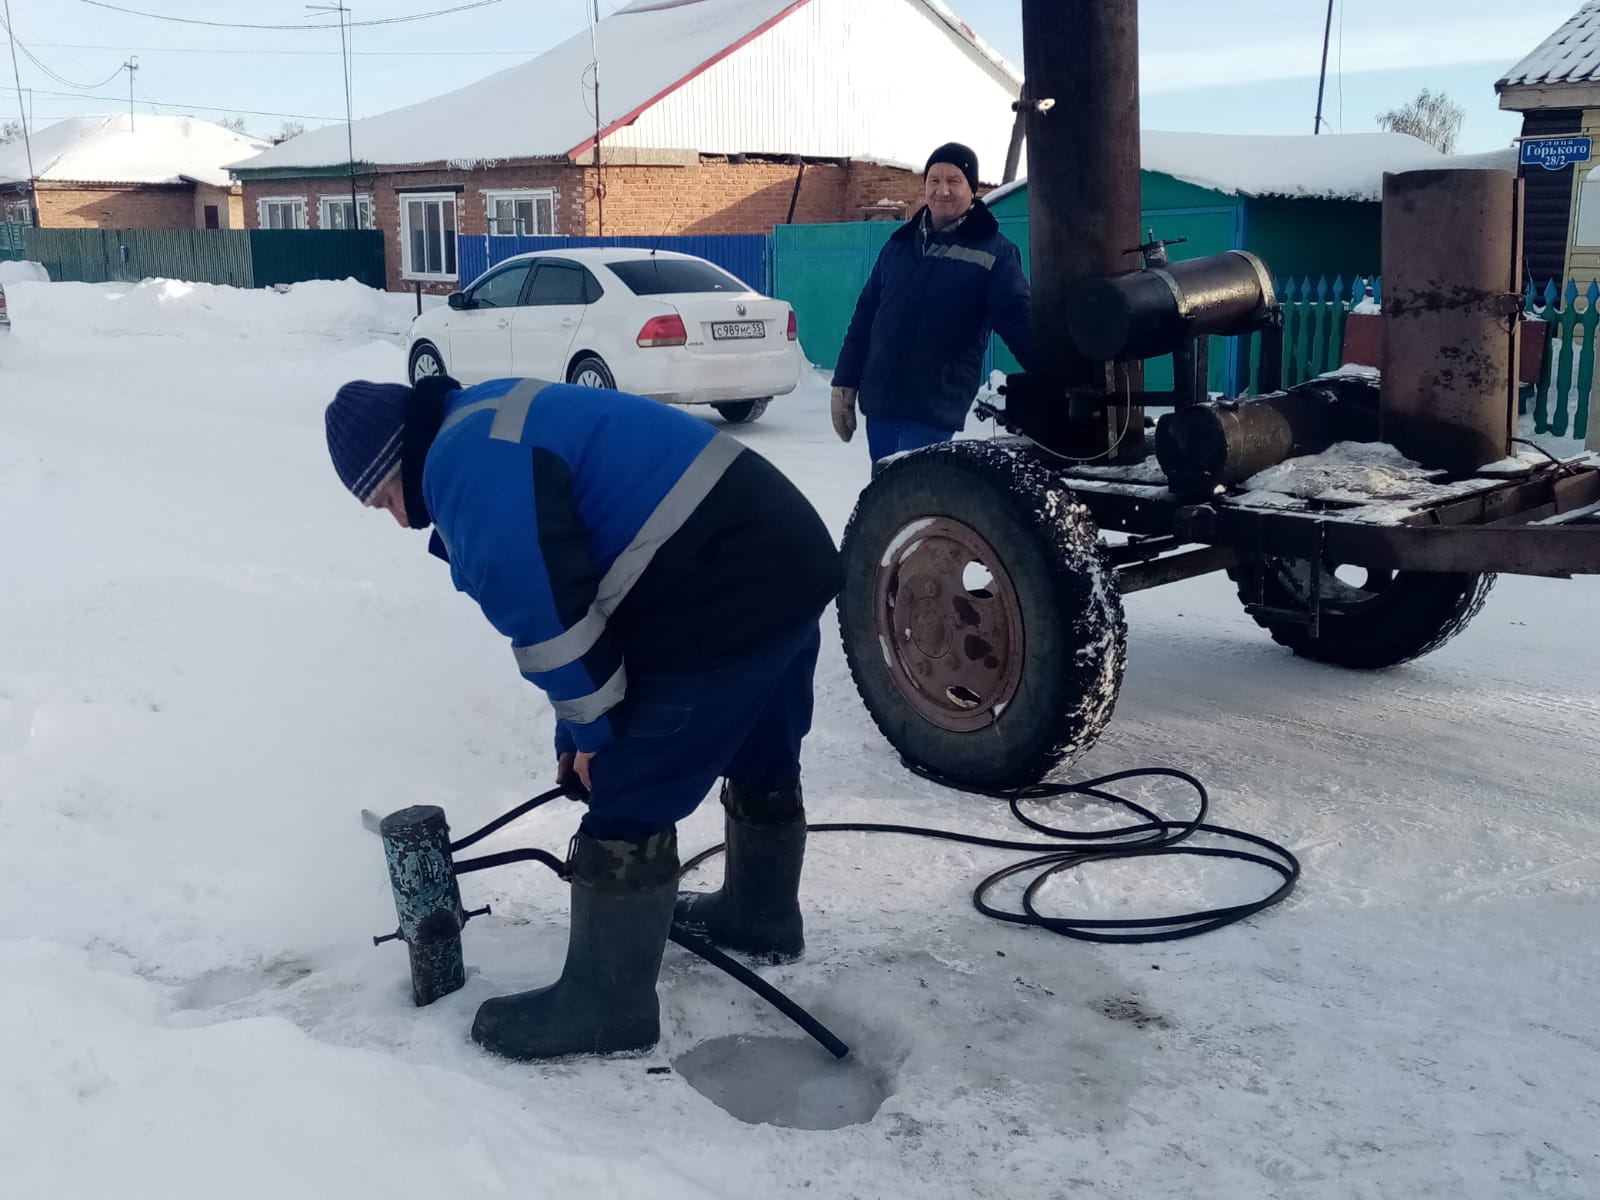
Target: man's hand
572	774
844	413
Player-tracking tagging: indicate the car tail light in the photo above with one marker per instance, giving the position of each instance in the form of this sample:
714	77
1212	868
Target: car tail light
2	301
794	327
663	331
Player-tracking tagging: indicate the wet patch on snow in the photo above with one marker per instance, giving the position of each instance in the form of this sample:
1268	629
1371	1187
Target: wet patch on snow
791	1082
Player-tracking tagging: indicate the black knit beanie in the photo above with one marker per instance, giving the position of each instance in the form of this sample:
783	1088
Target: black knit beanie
958	156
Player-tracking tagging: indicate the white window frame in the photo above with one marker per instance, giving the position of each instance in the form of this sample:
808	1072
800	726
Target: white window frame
513	195
407	268
299	206
1586	218
325	205
17	212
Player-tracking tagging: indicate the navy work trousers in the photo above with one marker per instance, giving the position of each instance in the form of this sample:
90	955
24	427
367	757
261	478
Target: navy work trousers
678	734
888	436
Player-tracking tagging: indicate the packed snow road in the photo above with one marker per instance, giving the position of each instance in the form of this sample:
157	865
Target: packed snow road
211	659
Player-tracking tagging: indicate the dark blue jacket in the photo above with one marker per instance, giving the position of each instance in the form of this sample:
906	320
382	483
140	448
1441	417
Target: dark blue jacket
606	535
915	345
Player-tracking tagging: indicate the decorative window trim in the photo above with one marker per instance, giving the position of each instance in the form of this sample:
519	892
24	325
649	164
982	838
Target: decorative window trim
299	203
406	270
533	195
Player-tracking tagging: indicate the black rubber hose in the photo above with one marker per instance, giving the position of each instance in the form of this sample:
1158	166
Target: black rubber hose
763	989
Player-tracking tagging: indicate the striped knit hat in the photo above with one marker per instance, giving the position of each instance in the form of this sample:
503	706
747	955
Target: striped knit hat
366	426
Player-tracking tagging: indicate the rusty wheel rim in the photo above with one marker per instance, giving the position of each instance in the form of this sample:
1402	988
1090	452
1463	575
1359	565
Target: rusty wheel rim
949	624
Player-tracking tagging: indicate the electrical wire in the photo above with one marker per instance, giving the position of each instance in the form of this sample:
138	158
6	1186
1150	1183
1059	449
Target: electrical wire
303	53
422	16
38	62
222	108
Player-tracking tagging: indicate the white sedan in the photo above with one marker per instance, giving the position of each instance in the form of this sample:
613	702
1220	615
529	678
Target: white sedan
669	326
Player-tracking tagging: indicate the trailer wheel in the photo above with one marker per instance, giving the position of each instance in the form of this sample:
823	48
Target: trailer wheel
980	620
1371	618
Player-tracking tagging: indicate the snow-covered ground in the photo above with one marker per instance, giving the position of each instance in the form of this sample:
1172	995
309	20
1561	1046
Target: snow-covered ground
211	659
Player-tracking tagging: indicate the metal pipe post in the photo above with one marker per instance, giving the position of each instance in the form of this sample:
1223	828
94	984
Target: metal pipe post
416	843
1081	100
1449	302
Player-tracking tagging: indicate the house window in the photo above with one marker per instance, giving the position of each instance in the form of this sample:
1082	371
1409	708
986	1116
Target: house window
282	212
213	217
336	212
521	214
428	236
1586	230
17	211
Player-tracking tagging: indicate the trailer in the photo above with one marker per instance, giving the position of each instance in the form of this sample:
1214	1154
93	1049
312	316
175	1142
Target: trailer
982	614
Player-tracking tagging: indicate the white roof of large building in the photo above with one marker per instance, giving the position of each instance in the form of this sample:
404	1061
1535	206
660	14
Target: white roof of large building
117	148
1569	55
1329	166
544	108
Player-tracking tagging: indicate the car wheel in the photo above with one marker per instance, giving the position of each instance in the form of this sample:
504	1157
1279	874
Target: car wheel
590	371
425	361
742	412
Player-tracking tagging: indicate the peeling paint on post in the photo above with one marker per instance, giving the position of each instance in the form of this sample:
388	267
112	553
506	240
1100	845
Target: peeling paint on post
416	843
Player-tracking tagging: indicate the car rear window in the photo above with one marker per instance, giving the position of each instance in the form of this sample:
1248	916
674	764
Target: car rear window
662	276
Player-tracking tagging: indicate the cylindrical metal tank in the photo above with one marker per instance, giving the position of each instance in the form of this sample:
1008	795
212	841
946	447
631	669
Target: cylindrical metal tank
1145	314
1447	272
1211	446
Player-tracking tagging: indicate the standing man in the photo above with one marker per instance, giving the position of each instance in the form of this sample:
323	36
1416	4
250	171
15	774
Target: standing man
663	585
914	349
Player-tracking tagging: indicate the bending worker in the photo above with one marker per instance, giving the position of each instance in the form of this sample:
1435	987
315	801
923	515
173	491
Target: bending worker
913	353
663	585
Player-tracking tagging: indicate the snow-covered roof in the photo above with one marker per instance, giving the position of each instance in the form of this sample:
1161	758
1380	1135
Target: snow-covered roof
1330	166
544	108
117	148
1569	55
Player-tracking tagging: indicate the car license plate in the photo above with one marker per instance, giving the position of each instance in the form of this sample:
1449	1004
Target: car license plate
725	330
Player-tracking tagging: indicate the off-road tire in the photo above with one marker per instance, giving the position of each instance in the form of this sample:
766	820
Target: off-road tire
1411	613
1072	648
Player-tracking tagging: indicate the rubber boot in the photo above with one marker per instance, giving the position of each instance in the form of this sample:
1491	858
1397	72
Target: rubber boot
605	1001
757	909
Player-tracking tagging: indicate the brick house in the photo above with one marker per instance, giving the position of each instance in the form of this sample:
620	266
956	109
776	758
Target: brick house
717	117
119	172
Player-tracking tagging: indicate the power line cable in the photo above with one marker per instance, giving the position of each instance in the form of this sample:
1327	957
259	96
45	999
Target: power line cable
38	62
249	112
422	16
320	53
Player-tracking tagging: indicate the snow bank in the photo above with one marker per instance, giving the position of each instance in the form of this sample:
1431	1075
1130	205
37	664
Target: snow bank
23	272
336	309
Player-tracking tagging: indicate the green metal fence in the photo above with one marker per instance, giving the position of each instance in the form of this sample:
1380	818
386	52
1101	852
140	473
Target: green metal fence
13	241
293	255
236	257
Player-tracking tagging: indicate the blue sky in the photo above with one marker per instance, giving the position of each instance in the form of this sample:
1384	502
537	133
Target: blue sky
1225	66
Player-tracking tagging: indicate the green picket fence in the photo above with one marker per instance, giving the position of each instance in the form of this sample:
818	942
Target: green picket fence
1566	371
1316	320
